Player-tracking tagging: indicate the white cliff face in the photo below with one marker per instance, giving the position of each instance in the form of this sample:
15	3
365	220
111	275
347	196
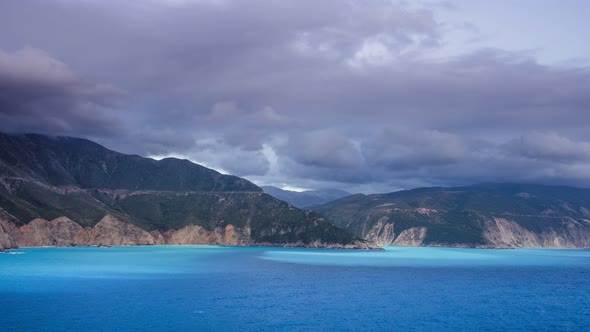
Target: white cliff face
504	233
411	237
497	233
382	233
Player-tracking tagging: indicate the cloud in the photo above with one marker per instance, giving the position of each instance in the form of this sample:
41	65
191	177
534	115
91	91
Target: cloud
40	93
550	147
224	112
359	95
230	159
402	149
325	148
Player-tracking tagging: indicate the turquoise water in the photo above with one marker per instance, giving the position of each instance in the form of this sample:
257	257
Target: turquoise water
202	288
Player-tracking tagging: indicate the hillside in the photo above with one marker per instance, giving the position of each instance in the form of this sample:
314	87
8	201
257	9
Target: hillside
71	191
305	199
487	215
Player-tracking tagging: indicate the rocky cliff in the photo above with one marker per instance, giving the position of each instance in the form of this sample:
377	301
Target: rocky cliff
8	231
112	232
485	216
94	196
501	232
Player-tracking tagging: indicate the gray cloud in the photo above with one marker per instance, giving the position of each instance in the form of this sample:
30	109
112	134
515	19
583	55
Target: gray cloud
39	93
233	160
308	93
550	147
399	150
326	148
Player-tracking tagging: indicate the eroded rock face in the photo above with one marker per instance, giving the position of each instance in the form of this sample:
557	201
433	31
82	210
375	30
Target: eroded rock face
411	237
233	236
382	232
158	237
7	231
504	233
192	234
63	232
195	234
113	232
58	232
6	241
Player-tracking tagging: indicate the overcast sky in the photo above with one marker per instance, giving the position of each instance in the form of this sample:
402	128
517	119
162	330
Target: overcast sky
366	96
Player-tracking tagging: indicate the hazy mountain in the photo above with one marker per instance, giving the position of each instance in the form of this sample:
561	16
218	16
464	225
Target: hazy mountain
305	199
487	215
98	196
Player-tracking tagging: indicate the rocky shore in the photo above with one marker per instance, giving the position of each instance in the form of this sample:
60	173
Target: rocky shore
64	232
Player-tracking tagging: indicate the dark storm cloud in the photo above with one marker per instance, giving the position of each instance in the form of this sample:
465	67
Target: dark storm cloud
316	93
401	150
550	147
39	93
324	149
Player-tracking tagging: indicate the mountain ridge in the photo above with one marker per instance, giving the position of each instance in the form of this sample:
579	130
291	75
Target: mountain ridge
81	185
501	215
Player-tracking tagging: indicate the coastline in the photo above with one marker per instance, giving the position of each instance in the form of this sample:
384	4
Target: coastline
297	246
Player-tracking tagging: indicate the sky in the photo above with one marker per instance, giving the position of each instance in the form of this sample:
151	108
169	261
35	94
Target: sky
364	96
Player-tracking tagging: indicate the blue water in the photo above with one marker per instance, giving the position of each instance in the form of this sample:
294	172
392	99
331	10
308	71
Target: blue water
200	288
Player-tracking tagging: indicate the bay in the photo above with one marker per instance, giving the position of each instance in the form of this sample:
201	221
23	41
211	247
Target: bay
209	288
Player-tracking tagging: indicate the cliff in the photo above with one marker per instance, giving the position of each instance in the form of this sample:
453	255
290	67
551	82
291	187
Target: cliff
7	231
484	216
112	232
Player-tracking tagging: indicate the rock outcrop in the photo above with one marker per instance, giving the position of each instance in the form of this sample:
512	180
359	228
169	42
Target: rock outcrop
195	234
113	232
382	233
7	231
411	237
505	233
478	216
58	232
63	231
5	239
110	231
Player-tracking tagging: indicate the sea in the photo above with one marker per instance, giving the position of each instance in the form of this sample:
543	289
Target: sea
210	288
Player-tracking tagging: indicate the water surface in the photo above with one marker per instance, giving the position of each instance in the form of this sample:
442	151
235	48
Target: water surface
266	289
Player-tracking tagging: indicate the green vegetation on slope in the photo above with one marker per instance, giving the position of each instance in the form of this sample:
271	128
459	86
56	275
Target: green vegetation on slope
49	177
456	216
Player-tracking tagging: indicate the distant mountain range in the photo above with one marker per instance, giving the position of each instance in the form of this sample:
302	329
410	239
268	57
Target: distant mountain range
305	199
69	191
486	215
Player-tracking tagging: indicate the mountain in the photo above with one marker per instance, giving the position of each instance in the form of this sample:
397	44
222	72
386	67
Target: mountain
305	199
486	215
93	196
